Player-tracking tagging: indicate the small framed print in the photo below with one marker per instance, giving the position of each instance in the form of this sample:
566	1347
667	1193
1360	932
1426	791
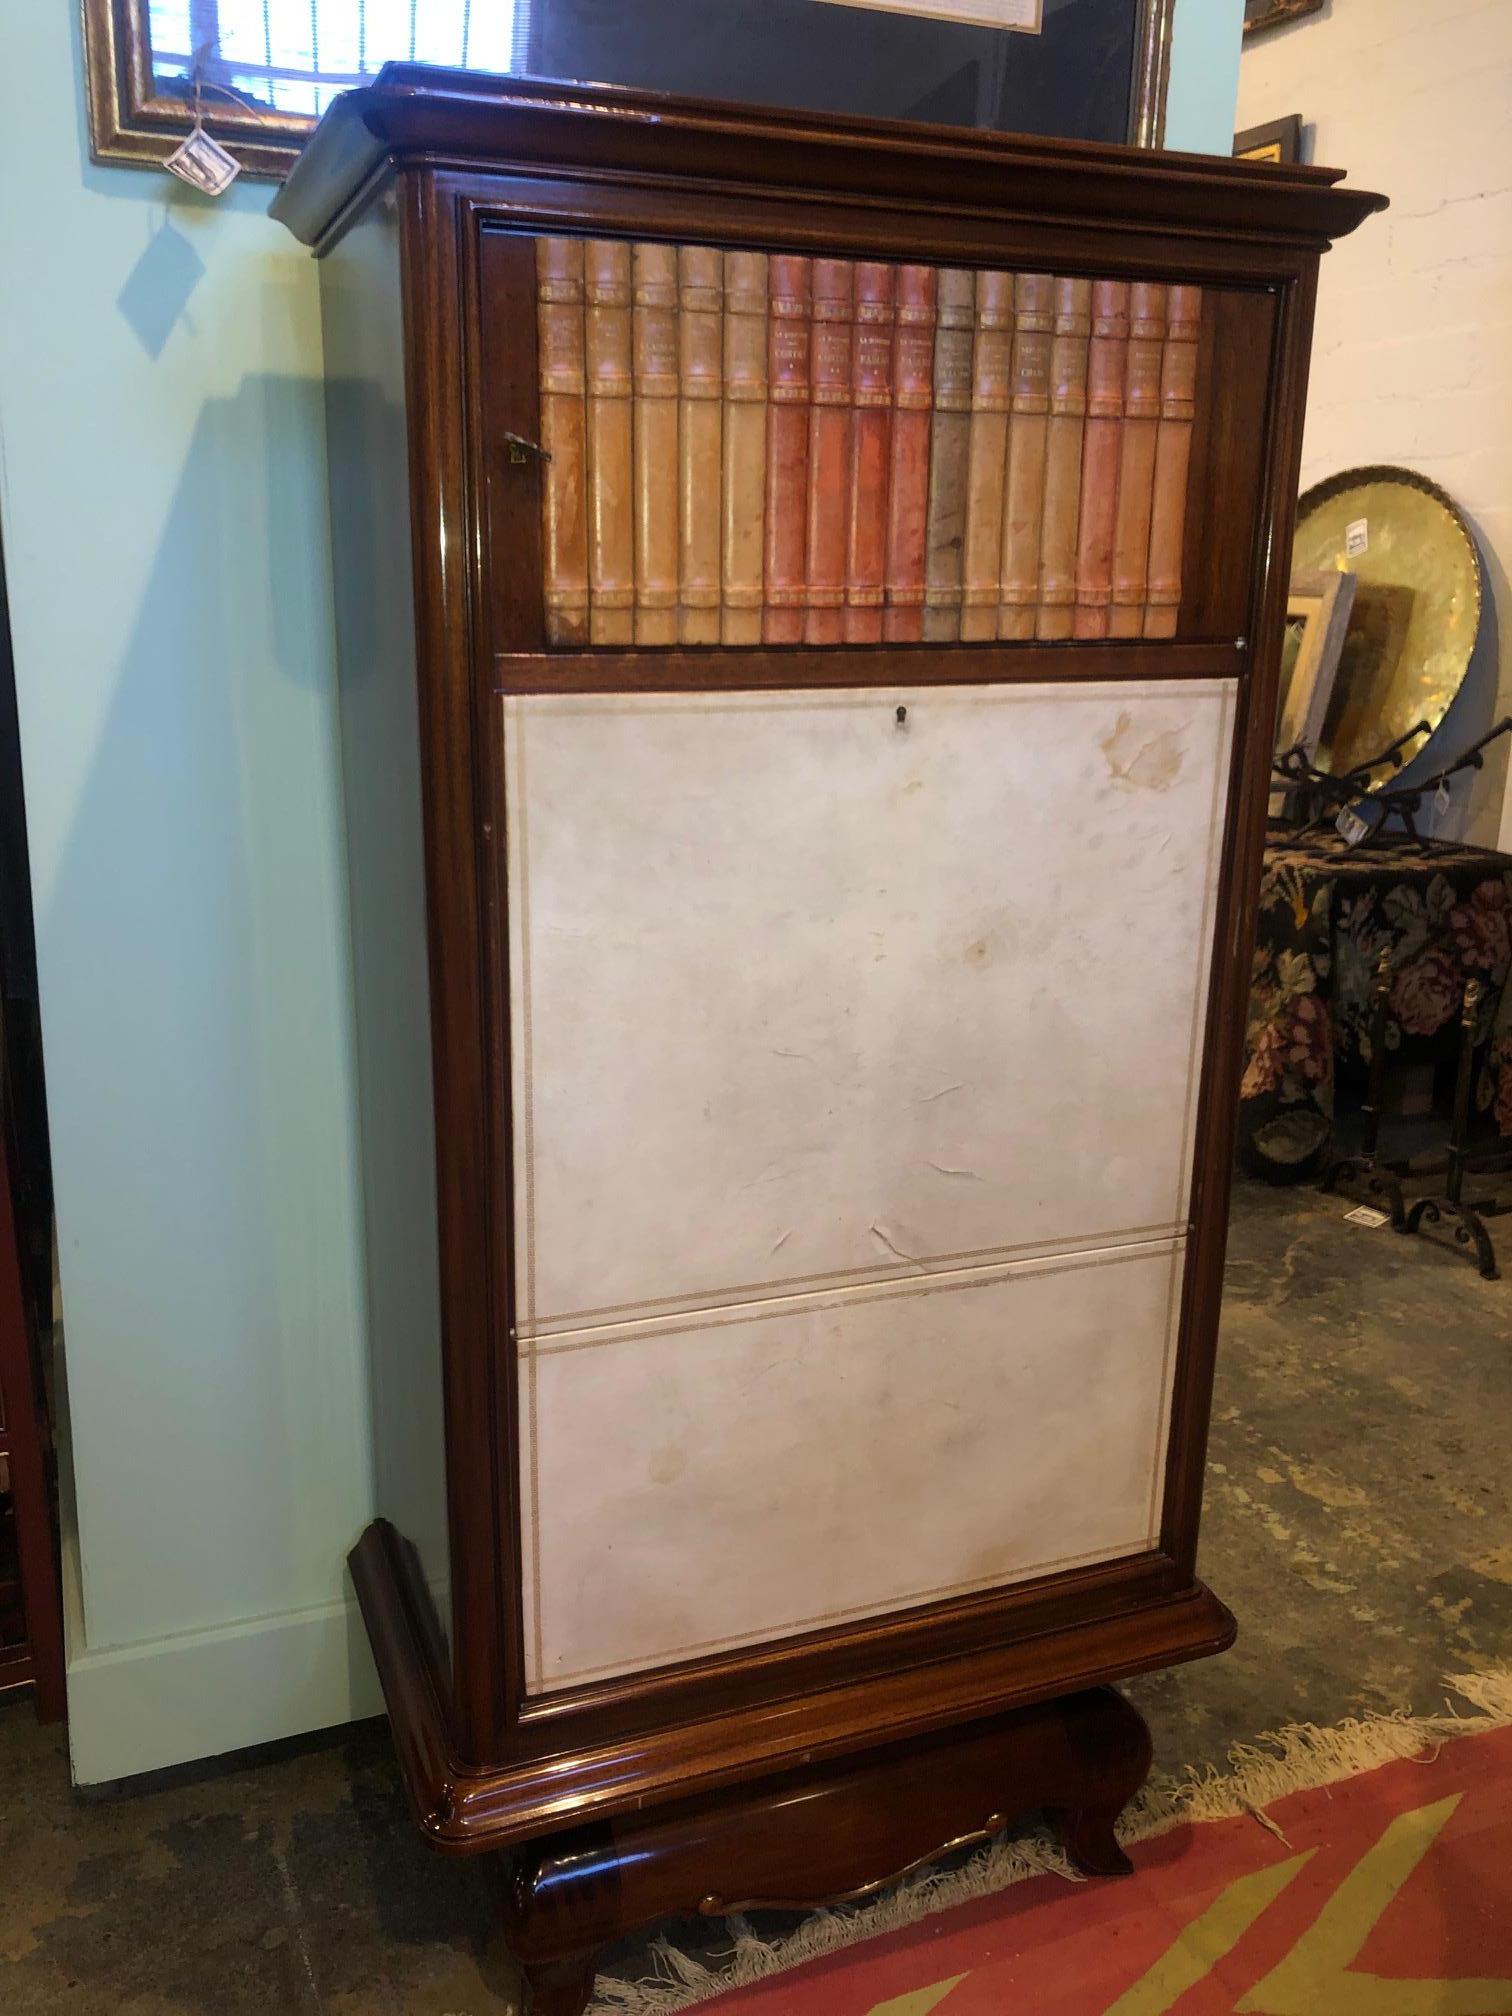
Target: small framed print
1278	140
1026	17
1262	14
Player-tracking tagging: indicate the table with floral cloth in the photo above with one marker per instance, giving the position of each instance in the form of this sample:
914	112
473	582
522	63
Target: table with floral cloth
1326	914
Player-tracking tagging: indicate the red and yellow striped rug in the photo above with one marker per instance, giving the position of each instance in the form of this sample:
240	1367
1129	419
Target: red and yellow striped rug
1386	1894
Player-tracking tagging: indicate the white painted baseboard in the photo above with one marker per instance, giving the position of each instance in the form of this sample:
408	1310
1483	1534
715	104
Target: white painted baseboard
135	1708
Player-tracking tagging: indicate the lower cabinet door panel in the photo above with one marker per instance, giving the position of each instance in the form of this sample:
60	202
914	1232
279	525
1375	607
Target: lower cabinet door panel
855	1054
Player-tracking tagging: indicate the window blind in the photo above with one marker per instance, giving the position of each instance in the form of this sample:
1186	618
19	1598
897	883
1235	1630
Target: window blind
297	55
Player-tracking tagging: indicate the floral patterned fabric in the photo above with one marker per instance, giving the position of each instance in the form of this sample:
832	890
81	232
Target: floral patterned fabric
1326	914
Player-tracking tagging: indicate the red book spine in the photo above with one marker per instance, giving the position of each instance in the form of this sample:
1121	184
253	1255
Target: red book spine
908	484
829	452
789	344
870	450
1106	367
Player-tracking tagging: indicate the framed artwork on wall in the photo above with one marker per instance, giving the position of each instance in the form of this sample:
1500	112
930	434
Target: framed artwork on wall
1277	140
260	76
1262	14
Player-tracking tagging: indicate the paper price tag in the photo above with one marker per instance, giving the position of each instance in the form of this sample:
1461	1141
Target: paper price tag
204	164
1352	828
1356	538
1362	1214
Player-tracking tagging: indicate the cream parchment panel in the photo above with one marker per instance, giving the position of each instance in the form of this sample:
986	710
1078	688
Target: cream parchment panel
854	1076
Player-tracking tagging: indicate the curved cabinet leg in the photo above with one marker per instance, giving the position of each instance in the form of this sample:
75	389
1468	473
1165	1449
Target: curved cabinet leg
1091	1844
559	1987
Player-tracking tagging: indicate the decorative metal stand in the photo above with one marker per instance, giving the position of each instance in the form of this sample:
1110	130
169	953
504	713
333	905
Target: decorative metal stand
1317	796
1468	1213
1380	1181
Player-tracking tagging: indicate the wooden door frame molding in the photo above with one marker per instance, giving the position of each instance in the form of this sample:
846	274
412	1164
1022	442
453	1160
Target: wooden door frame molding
132	123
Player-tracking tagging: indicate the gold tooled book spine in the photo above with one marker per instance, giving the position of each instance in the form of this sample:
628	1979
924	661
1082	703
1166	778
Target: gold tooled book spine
700	360
1061	508
745	404
789	347
1107	369
611	507
1024	494
949	449
1131	537
987	458
559	287
1173	451
655	360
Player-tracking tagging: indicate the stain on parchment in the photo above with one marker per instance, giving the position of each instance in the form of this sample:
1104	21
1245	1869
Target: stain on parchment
1148	763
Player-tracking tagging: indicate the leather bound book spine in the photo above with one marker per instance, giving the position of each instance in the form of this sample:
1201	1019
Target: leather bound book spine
986	467
700	451
870	450
559	288
949	447
1136	473
1173	449
829	452
1061	509
908	482
745	424
1107	365
1024	493
611	512
789	341
654	332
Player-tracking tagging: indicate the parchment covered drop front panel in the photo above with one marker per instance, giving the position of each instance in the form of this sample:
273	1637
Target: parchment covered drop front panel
854	1078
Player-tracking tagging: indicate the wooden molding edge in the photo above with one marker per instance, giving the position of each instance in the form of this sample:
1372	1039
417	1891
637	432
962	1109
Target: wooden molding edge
465	1808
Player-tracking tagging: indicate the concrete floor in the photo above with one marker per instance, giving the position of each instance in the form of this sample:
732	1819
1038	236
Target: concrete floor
1359	1523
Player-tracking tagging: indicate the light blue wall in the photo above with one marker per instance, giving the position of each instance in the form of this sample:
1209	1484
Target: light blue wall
1205	38
162	485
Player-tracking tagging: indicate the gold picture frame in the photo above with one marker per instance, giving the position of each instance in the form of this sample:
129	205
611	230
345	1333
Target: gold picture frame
1317	617
132	120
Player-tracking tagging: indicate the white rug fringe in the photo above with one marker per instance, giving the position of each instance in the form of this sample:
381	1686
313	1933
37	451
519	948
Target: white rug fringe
1299	1758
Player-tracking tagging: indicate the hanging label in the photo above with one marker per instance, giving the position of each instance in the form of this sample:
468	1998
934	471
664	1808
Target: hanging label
1026	17
204	164
1356	538
1352	828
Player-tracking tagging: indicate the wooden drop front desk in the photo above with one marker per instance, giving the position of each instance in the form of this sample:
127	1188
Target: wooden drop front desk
797	1070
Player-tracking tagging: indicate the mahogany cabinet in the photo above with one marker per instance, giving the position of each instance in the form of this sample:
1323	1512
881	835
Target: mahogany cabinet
797	1076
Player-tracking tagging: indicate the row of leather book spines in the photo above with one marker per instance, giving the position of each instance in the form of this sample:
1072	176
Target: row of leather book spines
858	363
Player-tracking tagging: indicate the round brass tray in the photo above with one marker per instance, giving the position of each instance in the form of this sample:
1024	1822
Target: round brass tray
1417	608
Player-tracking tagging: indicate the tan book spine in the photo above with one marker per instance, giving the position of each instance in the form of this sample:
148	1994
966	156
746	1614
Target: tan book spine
871	450
908	478
559	287
1107	369
789	344
829	452
1061	510
949	448
654	332
700	368
1024	493
1173	451
745	423
987	458
1136	472
611	508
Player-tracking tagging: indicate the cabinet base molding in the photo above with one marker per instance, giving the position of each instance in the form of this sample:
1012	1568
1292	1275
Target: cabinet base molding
828	1836
473	1807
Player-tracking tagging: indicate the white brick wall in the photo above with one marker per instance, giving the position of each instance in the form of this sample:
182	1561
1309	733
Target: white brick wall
1413	357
